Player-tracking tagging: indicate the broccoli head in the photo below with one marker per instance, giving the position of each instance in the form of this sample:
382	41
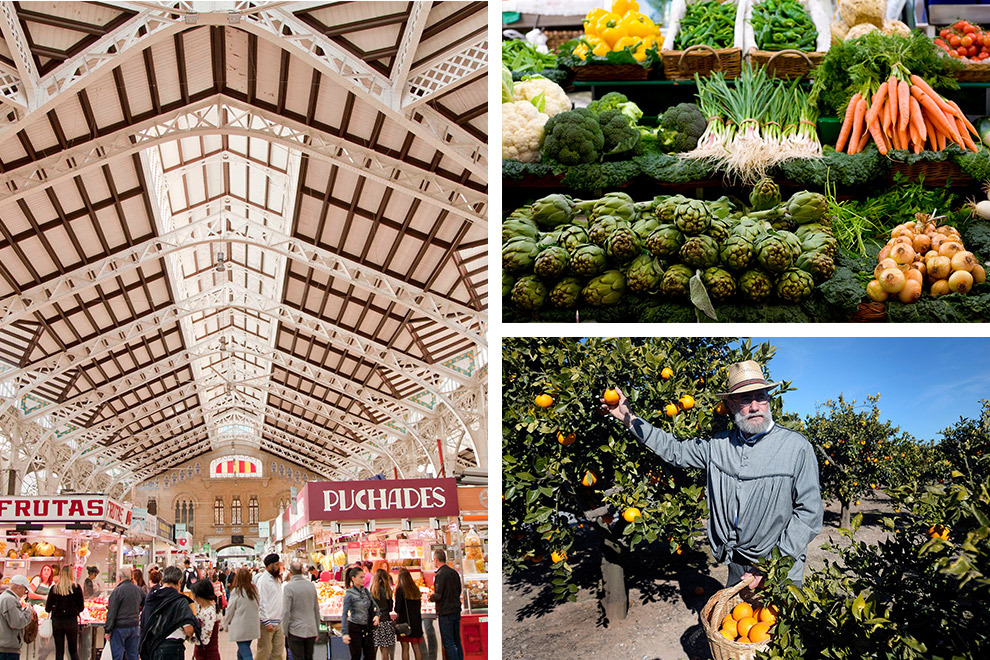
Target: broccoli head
573	137
617	101
682	125
621	136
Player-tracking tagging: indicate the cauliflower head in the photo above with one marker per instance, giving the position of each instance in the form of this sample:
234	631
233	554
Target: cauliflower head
522	131
554	97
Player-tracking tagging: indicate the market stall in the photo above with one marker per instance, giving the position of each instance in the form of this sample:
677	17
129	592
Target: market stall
149	541
396	524
751	164
84	530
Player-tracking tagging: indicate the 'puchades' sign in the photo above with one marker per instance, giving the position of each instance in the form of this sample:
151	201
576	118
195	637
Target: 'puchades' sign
370	500
65	508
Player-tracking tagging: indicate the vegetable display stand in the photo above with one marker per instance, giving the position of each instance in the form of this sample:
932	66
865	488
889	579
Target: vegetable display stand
557	37
612	72
715	610
934	173
702	60
788	63
870	312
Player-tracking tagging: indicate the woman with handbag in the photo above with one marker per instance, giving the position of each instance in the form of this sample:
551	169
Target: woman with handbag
359	617
208	614
381	591
65	604
409	624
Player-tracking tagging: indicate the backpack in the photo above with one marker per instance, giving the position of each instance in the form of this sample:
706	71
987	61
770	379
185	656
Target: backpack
31	629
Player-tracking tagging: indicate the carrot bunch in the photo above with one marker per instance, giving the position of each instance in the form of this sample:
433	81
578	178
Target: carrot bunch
904	113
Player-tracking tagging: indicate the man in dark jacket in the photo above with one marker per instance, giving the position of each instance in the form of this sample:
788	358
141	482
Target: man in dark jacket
123	613
167	620
447	595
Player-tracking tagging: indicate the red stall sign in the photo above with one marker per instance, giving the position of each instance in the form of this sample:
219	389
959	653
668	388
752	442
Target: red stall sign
67	508
370	500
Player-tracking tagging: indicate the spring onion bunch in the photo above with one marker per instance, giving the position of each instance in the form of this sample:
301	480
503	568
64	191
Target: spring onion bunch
755	123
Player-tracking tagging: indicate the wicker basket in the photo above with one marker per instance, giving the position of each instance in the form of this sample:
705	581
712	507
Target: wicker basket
702	60
714	611
612	72
871	312
934	173
788	63
974	72
557	37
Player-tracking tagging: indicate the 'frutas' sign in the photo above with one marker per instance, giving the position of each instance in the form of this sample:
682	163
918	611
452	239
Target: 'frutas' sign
68	508
368	500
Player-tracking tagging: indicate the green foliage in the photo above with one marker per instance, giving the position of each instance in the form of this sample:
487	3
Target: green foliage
519	55
544	499
836	168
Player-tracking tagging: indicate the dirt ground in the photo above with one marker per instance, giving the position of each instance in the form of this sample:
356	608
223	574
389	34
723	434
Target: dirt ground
663	621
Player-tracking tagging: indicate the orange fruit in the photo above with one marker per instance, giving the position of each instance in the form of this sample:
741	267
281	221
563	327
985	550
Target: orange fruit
721	408
632	514
744	624
741	611
729	625
671	410
768	614
687	402
589	479
666	373
566	440
728	635
758	633
544	400
742	640
558	556
611	397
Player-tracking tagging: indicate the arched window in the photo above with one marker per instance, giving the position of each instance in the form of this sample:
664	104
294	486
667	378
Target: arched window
235	510
218	511
152	506
235	467
184	513
253	510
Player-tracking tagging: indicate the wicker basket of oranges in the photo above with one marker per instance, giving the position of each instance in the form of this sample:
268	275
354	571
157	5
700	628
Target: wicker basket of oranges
737	627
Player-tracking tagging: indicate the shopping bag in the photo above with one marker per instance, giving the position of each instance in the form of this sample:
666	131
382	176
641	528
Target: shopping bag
106	655
45	628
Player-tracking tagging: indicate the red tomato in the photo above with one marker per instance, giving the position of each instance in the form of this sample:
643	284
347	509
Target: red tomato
954	41
973	50
969	29
959	25
944	33
966	41
953	53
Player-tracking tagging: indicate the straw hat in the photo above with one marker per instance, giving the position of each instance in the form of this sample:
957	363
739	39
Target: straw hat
746	377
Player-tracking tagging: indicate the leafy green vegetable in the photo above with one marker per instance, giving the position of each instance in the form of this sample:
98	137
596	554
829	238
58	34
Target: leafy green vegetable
617	101
573	137
835	168
782	25
523	56
621	136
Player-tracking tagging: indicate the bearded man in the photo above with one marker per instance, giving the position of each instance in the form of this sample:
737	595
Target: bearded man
763	487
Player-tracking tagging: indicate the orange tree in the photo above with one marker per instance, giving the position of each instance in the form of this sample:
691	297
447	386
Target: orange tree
851	443
554	481
915	594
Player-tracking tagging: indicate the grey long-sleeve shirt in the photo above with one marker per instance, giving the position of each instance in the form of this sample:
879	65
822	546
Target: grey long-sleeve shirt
761	495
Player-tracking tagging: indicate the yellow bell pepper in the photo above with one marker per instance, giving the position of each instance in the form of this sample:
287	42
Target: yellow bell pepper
627	42
624	6
601	49
591	20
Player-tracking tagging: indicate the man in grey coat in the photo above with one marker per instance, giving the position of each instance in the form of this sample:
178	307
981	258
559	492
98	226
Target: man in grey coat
14	617
763	487
300	613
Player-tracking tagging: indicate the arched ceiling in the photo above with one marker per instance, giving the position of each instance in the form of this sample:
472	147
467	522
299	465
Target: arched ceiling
244	223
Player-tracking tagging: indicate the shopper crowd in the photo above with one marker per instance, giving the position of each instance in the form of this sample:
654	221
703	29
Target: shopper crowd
275	605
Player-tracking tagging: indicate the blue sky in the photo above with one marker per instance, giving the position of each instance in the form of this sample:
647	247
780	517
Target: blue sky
926	384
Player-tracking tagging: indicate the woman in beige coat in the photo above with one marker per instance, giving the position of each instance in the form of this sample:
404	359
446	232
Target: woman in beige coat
242	620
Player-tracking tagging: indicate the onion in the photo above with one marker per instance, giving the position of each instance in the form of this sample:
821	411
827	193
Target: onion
982	209
939	288
876	292
963	261
892	280
911	292
979	274
961	281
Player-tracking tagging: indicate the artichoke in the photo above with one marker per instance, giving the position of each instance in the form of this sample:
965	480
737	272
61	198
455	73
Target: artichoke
783	223
529	292
749	229
765	195
794	285
820	243
619	205
622	245
588	260
803	231
513	227
737	252
645	226
606	289
819	264
565	293
552	211
643	274
699	252
666	208
804	207
507	281
719	230
665	242
692	217
603	227
676	281
572	236
518	254
551	263
774	253
723	207
719	282
793	242
755	286
547	240
523	212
